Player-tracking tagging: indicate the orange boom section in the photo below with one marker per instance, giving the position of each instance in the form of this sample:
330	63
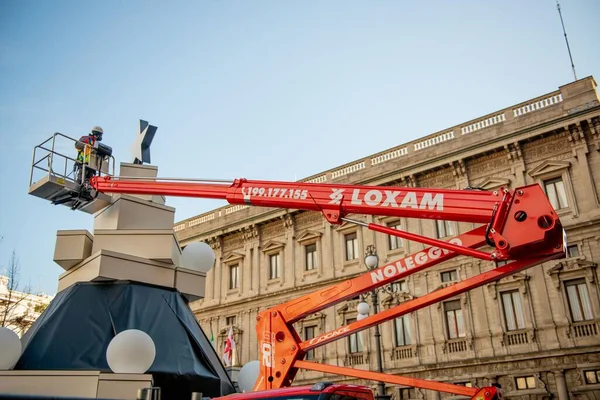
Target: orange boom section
518	226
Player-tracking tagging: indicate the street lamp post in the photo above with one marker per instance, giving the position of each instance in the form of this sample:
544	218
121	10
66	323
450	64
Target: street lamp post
372	261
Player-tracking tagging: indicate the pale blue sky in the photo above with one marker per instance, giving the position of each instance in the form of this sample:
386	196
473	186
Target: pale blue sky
259	89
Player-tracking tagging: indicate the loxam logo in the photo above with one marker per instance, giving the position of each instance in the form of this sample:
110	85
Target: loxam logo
390	198
329	335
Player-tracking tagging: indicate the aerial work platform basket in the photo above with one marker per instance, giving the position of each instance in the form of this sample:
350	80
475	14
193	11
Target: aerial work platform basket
62	179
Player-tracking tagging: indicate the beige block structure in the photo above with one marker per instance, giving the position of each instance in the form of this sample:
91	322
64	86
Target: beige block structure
86	384
131	212
133	239
106	265
155	245
72	247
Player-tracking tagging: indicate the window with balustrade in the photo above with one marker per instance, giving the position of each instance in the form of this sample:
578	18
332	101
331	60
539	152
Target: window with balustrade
355	344
274	266
578	299
310	256
234	276
449	276
402	331
573	251
445	228
555	190
394	242
455	327
309	333
351	246
512	307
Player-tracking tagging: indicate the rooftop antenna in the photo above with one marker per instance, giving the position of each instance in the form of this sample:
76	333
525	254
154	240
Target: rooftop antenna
566	40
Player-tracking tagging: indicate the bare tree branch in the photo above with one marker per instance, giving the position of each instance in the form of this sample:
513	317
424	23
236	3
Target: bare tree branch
10	302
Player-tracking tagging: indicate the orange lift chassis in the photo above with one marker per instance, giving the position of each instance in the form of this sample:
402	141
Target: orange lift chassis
520	227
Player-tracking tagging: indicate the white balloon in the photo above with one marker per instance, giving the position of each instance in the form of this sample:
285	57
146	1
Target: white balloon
199	256
360	317
248	375
362	308
131	352
10	349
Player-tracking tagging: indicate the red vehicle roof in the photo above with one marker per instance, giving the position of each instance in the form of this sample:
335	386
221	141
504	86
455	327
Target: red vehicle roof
293	391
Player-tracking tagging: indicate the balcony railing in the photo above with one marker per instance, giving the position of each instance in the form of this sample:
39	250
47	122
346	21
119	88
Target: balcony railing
584	329
456	346
515	338
356	359
403	353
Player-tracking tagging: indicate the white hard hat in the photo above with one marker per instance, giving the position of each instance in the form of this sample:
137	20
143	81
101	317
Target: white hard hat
97	129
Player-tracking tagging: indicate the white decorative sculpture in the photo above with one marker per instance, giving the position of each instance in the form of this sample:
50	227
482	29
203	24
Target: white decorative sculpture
131	352
248	375
198	256
10	349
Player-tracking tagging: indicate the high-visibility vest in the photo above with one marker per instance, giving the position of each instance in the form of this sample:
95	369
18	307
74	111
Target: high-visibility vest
83	155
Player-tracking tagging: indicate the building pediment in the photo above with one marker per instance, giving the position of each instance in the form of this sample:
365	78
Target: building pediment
309	235
518	280
392	299
223	332
573	267
494	183
549	166
232	257
348	226
272	245
571	264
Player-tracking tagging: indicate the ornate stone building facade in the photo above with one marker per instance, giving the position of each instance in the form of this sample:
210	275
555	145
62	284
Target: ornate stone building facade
536	333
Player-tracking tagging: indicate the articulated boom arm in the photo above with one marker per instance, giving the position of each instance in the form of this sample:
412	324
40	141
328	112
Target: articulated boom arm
520	226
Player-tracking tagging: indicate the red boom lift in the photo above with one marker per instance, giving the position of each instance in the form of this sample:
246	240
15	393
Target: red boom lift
520	226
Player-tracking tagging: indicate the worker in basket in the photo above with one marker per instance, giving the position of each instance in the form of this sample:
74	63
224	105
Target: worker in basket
85	146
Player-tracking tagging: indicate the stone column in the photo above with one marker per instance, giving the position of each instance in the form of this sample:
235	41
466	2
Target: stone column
211	278
561	385
517	164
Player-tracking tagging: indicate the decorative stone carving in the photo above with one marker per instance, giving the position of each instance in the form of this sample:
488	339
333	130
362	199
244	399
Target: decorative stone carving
215	242
549	147
233	241
459	168
270	230
514	151
495	163
308	218
409	181
250	233
442	178
574	375
288	221
575	133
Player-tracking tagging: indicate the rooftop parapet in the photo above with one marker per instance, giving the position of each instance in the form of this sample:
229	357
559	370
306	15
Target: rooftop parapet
569	99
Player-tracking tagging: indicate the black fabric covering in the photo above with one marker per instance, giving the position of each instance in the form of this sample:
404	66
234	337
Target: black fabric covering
76	328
